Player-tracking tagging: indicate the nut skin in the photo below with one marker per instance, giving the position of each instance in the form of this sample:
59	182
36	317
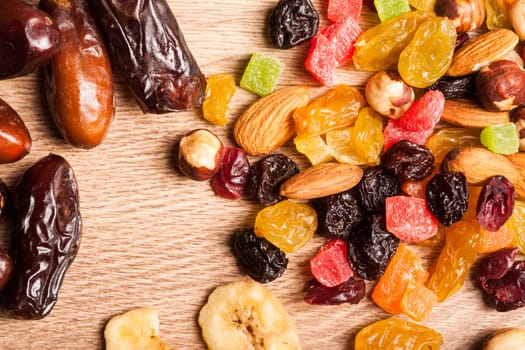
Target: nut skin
501	86
29	38
388	94
15	141
466	15
79	82
200	154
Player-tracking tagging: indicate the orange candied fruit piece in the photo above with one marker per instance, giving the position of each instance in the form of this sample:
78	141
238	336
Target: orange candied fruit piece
417	301
404	267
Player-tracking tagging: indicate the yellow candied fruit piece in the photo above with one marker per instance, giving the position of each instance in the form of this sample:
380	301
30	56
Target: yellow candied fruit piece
314	148
220	89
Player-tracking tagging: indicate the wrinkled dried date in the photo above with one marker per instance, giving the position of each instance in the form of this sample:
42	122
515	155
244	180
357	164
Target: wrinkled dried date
79	83
6	202
147	44
28	38
45	237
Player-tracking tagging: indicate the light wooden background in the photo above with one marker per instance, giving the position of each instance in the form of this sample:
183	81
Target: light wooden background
155	238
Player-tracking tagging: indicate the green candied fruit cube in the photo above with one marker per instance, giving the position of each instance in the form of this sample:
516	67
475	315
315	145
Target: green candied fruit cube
388	9
261	74
501	138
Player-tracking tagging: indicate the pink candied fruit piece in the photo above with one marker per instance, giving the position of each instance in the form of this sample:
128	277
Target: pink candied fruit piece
409	218
344	8
393	133
425	113
330	266
332	47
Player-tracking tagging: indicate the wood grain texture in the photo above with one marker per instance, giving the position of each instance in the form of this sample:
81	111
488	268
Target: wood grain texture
155	238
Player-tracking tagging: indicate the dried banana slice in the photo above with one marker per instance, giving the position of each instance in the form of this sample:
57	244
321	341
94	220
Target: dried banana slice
245	315
137	329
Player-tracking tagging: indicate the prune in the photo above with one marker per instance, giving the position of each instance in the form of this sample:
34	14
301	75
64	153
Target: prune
503	279
266	176
28	38
6	268
447	196
350	291
146	43
408	161
15	140
230	180
292	22
338	214
45	237
495	203
370	248
455	87
82	115
376	184
261	260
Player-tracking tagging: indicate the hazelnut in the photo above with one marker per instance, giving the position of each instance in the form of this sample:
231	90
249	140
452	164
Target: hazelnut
501	85
506	339
466	15
200	154
388	94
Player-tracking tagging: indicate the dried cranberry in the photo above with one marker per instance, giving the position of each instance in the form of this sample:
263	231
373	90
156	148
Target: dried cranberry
266	176
371	247
376	184
230	180
408	161
495	203
338	214
447	196
351	291
261	260
503	279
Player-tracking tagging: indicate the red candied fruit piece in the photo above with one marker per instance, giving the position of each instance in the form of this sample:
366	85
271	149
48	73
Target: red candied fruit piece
344	8
333	46
393	133
330	265
425	113
410	219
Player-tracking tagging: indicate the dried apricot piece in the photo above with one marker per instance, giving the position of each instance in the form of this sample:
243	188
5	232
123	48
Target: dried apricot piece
417	301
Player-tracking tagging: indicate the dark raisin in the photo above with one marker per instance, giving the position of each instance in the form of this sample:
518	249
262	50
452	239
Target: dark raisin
371	247
495	203
455	87
350	291
338	214
292	22
230	180
408	161
447	196
376	184
266	176
502	278
260	259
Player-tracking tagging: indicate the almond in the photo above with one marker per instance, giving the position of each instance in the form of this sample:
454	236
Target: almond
268	124
488	47
468	113
321	180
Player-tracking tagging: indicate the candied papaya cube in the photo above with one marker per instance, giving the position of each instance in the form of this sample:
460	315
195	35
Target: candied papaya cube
344	8
387	9
410	219
261	74
330	266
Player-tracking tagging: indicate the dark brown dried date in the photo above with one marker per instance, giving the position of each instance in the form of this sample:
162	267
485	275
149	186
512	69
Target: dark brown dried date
28	38
145	41
45	237
15	140
78	81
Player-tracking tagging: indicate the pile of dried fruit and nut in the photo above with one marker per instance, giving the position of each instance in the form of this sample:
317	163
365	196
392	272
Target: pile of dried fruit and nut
429	153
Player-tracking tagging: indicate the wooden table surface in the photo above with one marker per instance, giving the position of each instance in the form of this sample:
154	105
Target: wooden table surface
154	238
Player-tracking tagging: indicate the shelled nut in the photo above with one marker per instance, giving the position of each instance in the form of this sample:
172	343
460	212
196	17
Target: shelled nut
200	154
466	15
501	85
388	94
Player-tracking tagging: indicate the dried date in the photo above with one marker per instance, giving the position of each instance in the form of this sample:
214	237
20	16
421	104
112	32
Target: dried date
145	41
292	22
15	140
6	268
29	38
45	236
266	176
